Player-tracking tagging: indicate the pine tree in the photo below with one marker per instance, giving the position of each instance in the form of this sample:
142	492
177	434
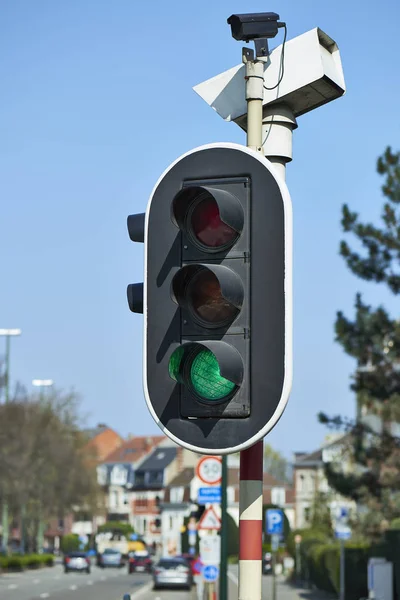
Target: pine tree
373	339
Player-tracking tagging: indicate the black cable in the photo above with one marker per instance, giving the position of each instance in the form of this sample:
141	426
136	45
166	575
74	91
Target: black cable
282	65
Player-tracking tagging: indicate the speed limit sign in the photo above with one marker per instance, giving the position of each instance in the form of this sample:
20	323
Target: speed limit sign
209	470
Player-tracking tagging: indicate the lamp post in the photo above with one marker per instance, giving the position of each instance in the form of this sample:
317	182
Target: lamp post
42	384
4	515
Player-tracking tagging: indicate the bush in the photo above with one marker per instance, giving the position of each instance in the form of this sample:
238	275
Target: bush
70	543
27	561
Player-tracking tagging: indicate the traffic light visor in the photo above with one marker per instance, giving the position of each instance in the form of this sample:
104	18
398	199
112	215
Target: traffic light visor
213	294
213	371
212	218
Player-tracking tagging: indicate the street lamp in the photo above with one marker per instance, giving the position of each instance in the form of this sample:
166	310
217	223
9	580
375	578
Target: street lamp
4	512
8	333
42	383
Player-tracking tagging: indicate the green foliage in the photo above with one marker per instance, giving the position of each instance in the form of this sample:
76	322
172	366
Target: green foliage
395	524
382	244
69	543
117	527
275	464
372	337
27	561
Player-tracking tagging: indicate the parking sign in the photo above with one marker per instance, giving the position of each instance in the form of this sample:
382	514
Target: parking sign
274	519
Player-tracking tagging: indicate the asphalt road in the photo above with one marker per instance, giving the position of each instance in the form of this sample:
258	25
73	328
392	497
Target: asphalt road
53	583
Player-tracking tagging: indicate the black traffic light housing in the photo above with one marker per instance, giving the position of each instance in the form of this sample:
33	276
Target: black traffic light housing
216	298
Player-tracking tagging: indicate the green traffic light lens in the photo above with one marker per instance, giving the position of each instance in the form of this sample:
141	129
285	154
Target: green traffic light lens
174	364
206	378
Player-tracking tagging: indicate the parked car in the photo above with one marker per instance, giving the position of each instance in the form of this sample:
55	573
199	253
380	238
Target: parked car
76	561
267	564
140	562
111	558
171	573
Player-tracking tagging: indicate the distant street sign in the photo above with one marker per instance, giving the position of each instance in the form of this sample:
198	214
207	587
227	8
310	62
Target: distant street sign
209	495
343	533
209	520
274	519
209	470
210	573
210	549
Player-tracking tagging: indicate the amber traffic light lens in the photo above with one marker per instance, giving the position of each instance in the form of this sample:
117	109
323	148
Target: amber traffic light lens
207	226
206	301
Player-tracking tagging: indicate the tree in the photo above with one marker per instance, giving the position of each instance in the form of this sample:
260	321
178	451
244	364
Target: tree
276	464
43	465
372	337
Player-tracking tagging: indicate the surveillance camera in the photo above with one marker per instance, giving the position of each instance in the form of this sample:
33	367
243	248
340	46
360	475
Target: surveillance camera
254	26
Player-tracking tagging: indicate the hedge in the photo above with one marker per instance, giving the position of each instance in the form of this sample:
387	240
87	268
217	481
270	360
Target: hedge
27	561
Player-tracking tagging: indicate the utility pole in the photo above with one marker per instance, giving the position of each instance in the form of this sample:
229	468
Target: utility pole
223	574
4	516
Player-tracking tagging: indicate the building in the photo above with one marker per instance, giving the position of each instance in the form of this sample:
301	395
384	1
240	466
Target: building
310	481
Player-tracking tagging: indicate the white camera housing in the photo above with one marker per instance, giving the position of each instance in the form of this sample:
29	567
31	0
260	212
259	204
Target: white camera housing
313	76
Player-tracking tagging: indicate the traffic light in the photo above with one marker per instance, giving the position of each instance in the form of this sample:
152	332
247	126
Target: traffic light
216	298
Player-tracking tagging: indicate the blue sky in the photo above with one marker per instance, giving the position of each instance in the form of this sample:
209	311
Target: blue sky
96	101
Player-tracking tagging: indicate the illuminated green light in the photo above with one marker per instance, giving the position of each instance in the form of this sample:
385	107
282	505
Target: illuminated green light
175	363
206	377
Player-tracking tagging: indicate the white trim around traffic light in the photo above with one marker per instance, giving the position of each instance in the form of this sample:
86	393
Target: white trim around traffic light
288	232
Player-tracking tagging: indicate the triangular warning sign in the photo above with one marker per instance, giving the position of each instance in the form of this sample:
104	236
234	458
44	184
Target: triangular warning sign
209	520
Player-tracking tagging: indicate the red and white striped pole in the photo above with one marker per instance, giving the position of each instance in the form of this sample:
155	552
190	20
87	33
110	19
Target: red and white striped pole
250	522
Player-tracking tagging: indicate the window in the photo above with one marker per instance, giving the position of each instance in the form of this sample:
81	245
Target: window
300	483
114	499
176	495
119	475
139	478
156	477
307	512
278	496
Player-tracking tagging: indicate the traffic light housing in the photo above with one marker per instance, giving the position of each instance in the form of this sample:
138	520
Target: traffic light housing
216	298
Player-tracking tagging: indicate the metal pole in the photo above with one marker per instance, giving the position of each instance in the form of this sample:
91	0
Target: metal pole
223	574
342	573
250	522
7	387
278	123
273	575
4	509
251	459
298	562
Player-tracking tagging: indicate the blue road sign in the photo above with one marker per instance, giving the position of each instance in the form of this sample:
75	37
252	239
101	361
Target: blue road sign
343	533
209	495
274	521
210	572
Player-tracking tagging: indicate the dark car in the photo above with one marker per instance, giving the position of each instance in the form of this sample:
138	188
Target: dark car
76	561
140	563
172	573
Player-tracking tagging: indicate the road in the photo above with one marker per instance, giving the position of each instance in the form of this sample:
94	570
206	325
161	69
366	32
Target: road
109	584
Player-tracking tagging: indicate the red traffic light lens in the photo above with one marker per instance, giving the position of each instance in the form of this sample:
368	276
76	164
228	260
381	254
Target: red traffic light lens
205	300
207	226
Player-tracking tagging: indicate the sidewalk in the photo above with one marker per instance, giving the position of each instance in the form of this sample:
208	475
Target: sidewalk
284	590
